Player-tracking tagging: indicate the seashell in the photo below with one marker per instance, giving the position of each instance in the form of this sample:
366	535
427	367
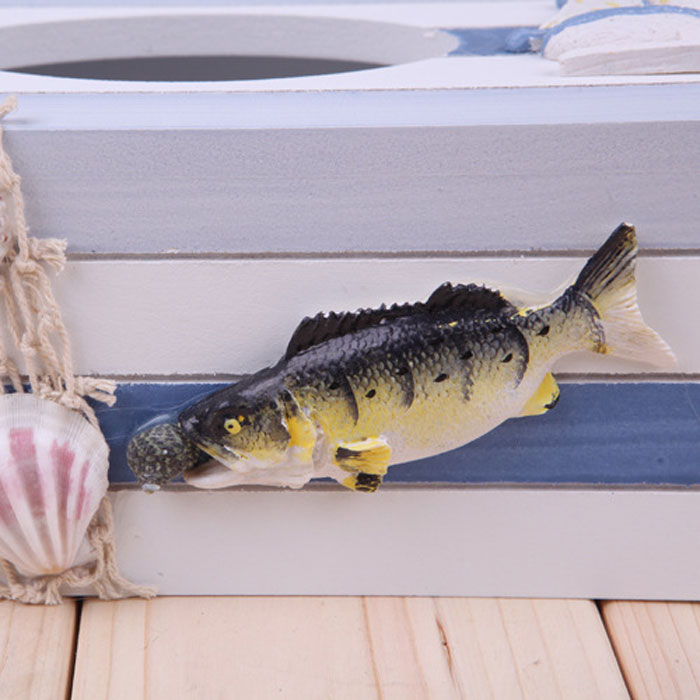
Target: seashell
53	475
158	454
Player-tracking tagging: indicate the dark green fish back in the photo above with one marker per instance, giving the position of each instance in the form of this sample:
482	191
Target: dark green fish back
322	327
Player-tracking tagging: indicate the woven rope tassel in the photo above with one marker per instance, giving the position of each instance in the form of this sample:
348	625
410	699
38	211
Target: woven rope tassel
36	330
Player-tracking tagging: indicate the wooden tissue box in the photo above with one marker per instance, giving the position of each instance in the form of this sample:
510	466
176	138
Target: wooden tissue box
206	218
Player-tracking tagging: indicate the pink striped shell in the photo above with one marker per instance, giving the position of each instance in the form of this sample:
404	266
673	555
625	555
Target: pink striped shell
53	475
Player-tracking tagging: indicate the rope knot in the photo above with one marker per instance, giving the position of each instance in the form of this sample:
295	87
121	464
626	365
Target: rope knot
25	266
29	346
50	250
71	401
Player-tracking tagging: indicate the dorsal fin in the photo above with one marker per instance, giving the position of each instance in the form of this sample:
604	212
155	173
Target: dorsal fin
322	327
468	297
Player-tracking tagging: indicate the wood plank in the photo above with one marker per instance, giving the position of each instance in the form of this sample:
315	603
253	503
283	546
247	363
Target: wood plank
411	170
529	648
251	647
658	647
390	648
187	316
458	541
36	650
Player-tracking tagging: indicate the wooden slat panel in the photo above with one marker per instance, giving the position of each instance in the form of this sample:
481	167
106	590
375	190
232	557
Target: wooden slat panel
236	316
36	650
374	170
408	541
658	647
393	648
224	647
537	648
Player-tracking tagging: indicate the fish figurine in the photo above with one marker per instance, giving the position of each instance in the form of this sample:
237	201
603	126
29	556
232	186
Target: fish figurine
358	392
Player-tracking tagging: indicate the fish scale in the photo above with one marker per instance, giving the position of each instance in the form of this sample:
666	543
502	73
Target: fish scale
431	347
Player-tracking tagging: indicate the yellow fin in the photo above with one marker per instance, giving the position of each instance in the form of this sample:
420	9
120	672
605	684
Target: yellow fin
302	434
370	456
543	399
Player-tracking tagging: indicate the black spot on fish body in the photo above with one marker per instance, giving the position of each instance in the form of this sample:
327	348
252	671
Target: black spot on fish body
371	394
543	331
403	376
512	342
440	378
466	355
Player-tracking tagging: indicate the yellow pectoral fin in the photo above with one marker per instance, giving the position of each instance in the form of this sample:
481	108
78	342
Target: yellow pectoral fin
302	434
370	456
543	399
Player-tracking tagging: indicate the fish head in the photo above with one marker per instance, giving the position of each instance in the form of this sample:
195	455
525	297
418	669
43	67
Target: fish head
243	430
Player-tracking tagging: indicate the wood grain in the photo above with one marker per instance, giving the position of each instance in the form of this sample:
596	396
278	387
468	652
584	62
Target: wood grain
355	648
224	647
36	650
658	647
529	648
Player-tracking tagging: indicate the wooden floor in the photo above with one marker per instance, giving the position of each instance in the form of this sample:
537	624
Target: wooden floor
354	648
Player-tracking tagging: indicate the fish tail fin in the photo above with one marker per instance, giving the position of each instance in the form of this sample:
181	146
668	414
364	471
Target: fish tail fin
608	282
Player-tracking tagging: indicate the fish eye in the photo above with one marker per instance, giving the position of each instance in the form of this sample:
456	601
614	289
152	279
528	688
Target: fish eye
232	426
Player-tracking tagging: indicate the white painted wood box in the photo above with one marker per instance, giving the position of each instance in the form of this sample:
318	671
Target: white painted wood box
206	218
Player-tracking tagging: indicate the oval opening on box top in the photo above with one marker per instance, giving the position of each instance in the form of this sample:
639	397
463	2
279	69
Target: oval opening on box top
212	47
195	68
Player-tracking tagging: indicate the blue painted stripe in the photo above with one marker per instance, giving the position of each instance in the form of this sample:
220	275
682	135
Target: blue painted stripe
487	41
646	433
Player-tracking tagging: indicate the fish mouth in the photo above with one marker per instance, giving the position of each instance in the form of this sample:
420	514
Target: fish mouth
221	453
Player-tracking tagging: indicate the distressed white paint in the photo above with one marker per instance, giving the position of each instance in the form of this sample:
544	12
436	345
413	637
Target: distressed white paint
554	167
401	541
233	316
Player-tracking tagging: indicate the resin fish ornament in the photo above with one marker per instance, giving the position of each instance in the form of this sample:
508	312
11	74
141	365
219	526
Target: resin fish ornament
358	392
